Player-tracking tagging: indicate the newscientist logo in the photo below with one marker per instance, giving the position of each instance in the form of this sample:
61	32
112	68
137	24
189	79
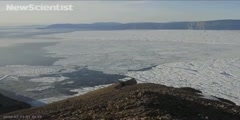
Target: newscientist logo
35	7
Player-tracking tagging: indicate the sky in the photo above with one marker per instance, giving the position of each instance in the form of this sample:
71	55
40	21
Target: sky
122	11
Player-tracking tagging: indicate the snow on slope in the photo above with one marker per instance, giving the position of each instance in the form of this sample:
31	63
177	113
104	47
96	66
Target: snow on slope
219	77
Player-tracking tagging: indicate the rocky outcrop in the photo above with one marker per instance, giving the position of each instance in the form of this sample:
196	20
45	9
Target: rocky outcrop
121	84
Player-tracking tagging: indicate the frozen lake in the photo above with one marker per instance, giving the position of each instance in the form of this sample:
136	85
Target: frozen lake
26	54
205	60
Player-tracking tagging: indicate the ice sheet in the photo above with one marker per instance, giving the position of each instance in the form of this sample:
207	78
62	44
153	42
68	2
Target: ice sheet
205	60
206	76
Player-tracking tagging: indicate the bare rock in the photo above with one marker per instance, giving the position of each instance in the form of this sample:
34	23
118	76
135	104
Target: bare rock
126	83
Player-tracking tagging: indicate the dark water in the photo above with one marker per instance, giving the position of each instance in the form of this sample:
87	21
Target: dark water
80	78
27	54
85	78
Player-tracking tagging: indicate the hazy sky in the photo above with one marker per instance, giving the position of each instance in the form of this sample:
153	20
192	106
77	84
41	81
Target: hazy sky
123	11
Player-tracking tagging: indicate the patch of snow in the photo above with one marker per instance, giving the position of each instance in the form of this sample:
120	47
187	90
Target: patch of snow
85	90
210	97
125	79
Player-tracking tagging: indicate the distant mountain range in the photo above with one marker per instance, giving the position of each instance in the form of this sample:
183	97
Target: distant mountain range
200	25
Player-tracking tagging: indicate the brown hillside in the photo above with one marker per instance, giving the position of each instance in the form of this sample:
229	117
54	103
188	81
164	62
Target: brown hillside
140	101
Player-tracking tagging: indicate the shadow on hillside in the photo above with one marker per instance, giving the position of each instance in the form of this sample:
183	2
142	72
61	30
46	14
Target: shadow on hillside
21	98
178	107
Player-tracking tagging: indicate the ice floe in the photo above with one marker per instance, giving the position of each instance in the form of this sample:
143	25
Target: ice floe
40	88
48	79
